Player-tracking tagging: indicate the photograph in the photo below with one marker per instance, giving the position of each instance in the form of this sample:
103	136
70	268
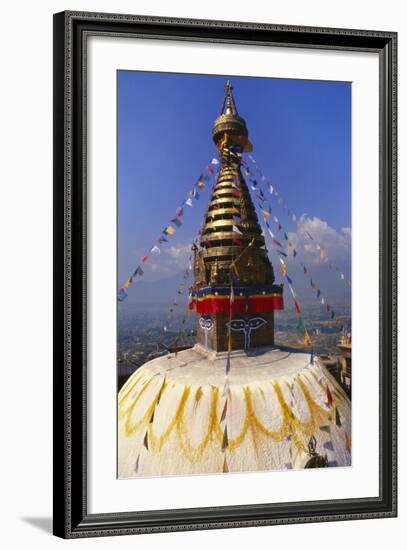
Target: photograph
234	239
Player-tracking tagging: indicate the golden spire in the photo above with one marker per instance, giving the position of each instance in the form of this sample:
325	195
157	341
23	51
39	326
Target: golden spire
231	222
232	255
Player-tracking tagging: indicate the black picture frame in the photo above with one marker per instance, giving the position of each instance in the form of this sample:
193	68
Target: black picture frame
71	518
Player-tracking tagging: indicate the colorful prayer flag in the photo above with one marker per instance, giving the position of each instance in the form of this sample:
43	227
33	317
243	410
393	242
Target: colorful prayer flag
236	230
307	339
122	295
176	222
169	230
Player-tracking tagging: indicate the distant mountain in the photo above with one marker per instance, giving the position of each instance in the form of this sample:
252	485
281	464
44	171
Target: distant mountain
160	294
156	295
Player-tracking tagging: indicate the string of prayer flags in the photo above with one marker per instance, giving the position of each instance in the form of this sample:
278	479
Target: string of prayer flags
322	252
292	292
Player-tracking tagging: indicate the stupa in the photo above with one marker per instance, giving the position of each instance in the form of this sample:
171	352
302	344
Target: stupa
234	402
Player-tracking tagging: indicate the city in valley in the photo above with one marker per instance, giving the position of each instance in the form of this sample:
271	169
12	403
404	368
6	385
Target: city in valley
148	333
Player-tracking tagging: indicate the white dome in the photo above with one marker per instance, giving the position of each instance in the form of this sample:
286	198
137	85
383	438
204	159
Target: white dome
174	412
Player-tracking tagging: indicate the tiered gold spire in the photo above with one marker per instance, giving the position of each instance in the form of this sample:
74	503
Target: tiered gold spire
232	243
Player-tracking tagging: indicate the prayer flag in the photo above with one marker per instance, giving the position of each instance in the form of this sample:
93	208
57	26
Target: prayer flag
266	214
237	242
214	161
271	189
338	418
210	170
297	310
227	364
200	184
144	258
180	212
161	240
146	440
225	441
307	339
188	202
236	230
169	230
329	396
176	222
294	252
277	243
292	291
225	408
155	250
282	253
289	279
122	295
225	468
128	283
139	271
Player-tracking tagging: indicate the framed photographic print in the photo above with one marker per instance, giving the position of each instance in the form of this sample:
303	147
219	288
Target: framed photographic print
225	274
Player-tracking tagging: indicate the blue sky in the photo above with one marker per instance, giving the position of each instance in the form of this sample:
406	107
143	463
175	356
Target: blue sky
301	133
